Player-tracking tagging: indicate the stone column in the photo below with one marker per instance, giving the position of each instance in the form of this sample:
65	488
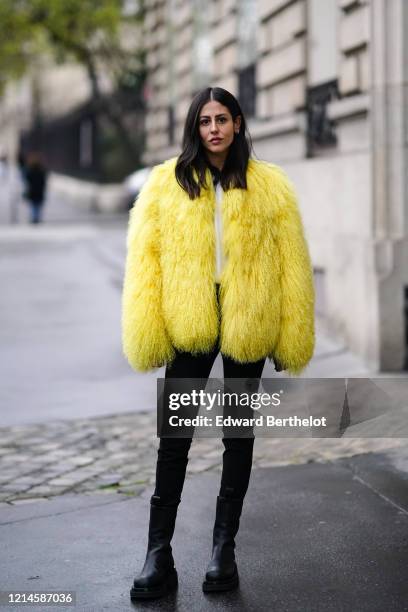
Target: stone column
389	68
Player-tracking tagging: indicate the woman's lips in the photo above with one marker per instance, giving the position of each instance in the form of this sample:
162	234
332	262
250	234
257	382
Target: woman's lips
215	140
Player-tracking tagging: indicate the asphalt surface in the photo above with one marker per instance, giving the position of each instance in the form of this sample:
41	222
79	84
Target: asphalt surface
315	537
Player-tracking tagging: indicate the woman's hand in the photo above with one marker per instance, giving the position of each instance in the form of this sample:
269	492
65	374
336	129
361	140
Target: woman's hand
278	366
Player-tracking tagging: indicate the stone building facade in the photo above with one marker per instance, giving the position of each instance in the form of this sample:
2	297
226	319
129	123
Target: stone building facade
323	84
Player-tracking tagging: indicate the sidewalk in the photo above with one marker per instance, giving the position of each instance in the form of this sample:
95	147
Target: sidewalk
117	453
318	537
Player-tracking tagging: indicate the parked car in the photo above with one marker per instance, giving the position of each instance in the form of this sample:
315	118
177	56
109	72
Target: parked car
133	184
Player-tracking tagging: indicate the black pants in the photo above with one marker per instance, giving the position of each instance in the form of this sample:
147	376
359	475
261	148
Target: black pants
172	456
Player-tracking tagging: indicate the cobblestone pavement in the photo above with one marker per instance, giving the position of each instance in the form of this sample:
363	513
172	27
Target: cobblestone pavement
118	453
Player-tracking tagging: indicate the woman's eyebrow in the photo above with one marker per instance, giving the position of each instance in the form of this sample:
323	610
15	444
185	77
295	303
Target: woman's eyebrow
209	117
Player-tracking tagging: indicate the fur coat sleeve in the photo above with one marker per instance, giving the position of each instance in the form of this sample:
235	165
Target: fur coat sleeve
145	342
295	345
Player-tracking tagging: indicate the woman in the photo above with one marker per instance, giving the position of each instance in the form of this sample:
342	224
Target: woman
217	261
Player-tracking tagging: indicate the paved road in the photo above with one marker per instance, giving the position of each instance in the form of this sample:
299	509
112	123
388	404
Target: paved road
118	453
317	537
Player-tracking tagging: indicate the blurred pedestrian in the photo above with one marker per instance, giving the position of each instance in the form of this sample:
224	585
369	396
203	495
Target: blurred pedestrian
35	178
3	166
216	262
21	162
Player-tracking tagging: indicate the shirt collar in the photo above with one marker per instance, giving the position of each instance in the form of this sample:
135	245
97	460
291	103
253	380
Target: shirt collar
215	173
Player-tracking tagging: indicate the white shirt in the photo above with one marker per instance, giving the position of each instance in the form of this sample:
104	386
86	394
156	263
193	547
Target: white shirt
220	258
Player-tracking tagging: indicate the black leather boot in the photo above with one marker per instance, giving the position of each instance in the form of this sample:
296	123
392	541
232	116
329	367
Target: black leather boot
222	572
158	576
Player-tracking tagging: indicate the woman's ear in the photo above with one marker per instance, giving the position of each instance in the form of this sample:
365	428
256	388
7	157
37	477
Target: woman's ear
237	123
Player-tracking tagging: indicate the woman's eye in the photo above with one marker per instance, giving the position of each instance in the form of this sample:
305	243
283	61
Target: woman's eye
206	121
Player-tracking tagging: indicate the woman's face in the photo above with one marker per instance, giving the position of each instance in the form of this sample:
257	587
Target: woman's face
217	127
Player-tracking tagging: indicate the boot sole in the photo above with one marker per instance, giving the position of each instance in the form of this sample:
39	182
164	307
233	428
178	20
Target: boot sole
211	586
169	585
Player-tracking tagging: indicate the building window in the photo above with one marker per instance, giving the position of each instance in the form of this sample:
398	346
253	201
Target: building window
247	55
247	90
320	132
322	17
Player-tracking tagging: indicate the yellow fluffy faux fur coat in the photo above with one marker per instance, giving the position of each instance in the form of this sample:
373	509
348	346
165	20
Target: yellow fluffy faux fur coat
266	293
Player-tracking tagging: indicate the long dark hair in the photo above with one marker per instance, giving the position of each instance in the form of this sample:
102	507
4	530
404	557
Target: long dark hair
193	156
